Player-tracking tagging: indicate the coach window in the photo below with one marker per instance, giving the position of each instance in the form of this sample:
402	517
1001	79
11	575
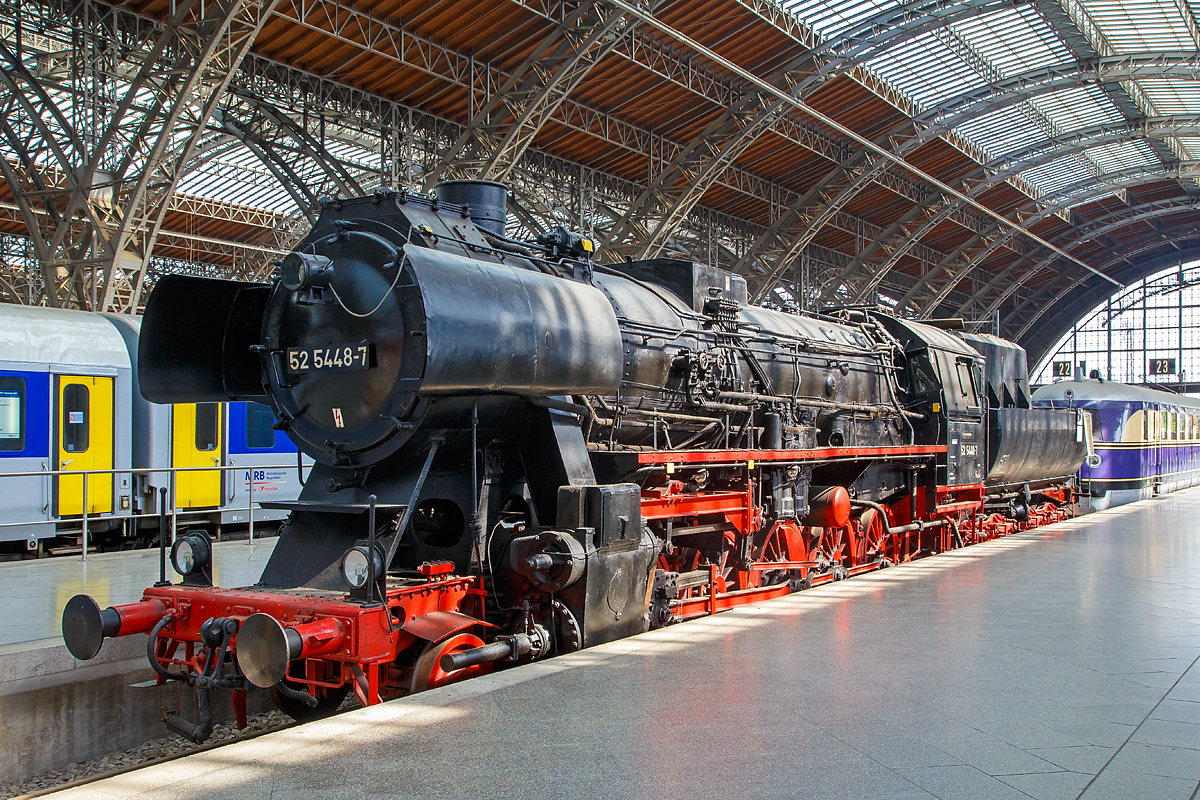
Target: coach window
1097	430
12	413
208	426
260	433
77	419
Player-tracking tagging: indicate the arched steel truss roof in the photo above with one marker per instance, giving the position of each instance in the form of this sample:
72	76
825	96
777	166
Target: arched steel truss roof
1050	115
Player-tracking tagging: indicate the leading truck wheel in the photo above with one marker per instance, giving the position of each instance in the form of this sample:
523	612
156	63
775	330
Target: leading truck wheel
327	703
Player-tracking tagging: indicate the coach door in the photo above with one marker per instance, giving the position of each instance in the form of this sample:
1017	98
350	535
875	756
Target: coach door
196	442
1158	430
83	434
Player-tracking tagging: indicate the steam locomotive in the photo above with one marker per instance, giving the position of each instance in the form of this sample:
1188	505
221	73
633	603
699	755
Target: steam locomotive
522	452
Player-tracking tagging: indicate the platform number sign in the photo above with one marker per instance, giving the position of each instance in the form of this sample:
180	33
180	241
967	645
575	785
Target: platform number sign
1161	366
1062	369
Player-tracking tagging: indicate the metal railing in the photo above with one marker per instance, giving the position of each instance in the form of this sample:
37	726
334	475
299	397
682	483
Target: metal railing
170	490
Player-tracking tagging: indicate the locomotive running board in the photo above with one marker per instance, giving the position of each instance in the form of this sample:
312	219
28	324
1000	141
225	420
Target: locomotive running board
812	454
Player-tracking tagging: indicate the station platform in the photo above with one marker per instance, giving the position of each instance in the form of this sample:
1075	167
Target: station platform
56	709
33	593
1056	663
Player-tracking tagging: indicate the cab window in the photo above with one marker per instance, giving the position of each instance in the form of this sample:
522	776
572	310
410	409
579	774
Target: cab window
921	377
967	388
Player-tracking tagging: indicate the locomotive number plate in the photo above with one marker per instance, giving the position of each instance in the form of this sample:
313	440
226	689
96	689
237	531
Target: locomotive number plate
336	357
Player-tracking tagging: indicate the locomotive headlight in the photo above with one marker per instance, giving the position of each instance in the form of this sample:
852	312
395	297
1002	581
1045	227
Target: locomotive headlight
303	269
356	566
191	552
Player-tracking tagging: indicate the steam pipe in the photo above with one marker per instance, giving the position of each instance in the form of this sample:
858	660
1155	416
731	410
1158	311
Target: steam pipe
506	647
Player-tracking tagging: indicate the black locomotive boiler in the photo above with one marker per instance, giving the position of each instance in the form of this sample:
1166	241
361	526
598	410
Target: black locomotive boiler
522	452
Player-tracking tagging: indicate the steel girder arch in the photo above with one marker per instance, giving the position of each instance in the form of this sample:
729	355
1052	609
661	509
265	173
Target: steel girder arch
283	170
176	78
1074	302
403	47
211	43
1185	248
1094	229
29	217
676	190
507	123
1035	211
936	210
281	144
892	26
909	135
1038	302
1039	154
1029	214
826	61
43	167
1007	166
1120	263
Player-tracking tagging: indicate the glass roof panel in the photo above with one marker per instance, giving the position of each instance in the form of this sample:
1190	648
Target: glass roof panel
1062	172
1135	26
1013	40
1191	146
926	70
1003	131
972	53
1119	157
1173	96
1080	107
829	19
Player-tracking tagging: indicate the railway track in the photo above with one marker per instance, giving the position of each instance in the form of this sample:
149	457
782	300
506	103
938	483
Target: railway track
158	751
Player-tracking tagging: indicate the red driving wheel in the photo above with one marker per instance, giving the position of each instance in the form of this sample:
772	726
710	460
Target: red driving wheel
428	672
873	537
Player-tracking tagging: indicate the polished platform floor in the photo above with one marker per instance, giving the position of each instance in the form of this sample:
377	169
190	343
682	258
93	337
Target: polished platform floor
1057	663
33	593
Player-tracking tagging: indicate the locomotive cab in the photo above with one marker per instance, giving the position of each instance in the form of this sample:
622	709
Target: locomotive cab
942	377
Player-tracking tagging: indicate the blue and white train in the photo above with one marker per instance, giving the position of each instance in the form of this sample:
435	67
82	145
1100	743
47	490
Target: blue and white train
69	402
1147	442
